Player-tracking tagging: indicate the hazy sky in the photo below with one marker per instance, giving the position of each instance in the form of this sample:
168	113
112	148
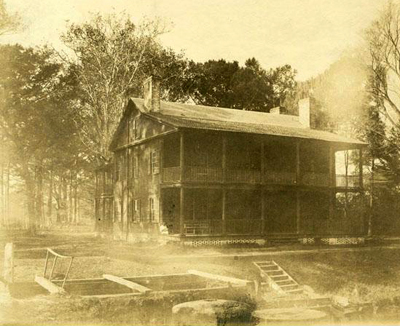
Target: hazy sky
307	34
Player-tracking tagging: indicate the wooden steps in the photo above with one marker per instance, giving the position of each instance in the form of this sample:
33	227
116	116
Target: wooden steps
278	278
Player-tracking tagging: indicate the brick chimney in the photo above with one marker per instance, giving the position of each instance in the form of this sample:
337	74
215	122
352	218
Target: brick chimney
304	112
278	110
151	94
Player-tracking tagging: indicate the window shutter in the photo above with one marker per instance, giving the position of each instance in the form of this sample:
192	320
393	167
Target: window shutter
135	128
135	167
156	162
150	163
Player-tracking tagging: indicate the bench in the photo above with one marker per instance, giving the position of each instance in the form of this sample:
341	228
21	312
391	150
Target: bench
196	228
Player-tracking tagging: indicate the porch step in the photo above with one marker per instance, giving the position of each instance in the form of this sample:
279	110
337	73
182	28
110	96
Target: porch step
278	278
285	282
269	268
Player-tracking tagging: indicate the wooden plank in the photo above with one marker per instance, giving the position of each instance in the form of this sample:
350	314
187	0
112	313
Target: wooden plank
49	285
161	293
129	284
221	278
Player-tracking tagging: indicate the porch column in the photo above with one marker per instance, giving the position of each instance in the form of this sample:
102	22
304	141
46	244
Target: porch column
263	211
224	211
181	211
223	180
361	169
298	182
262	161
298	212
332	183
181	155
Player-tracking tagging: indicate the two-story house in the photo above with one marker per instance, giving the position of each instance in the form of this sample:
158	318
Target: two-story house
215	175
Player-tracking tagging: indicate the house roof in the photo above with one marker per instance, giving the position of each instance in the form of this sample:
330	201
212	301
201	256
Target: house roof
222	119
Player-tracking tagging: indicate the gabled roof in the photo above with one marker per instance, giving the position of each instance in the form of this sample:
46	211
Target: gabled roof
221	119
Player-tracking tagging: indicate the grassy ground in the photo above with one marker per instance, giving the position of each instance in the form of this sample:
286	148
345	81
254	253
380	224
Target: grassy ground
365	274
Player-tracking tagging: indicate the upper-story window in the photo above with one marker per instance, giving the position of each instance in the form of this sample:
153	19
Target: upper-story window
134	133
151	209
154	162
135	166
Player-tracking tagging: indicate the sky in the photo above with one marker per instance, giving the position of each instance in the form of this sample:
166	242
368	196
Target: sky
307	34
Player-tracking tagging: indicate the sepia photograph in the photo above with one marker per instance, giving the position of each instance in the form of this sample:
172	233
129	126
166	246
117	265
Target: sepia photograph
192	163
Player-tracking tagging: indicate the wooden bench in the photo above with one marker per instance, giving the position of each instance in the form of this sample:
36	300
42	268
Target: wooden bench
196	228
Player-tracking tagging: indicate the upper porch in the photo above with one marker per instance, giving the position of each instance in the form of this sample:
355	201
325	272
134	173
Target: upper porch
209	157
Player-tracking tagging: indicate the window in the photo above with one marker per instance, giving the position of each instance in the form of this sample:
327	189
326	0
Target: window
151	209
136	210
135	167
117	168
154	163
135	129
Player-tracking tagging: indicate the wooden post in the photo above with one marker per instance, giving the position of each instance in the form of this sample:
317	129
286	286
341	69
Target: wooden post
361	169
181	211
263	211
262	161
298	181
224	211
332	183
182	192
181	155
224	180
298	212
9	262
262	190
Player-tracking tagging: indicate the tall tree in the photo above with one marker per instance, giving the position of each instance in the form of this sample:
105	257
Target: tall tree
9	23
112	57
383	38
32	118
226	84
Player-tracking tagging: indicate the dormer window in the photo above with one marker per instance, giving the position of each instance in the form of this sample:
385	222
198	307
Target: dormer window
134	131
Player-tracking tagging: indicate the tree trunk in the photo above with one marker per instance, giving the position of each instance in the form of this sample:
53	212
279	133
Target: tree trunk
30	199
70	200
371	199
39	196
75	204
346	196
3	200
64	202
50	198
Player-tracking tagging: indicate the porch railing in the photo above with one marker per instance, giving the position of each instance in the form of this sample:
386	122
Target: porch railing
202	174
171	174
315	179
353	181
281	178
243	176
207	174
243	226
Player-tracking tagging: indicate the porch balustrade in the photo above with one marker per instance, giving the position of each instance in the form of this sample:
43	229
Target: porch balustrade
281	178
202	174
315	179
207	174
243	226
350	181
243	176
338	225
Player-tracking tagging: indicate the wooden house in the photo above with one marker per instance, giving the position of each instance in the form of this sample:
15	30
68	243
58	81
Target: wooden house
211	175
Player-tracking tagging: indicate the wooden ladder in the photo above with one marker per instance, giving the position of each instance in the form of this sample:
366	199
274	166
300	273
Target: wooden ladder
278	278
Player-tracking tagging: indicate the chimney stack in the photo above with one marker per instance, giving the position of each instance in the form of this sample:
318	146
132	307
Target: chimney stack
304	112
151	94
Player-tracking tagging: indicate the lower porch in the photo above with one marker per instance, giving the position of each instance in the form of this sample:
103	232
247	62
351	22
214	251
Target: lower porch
261	213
